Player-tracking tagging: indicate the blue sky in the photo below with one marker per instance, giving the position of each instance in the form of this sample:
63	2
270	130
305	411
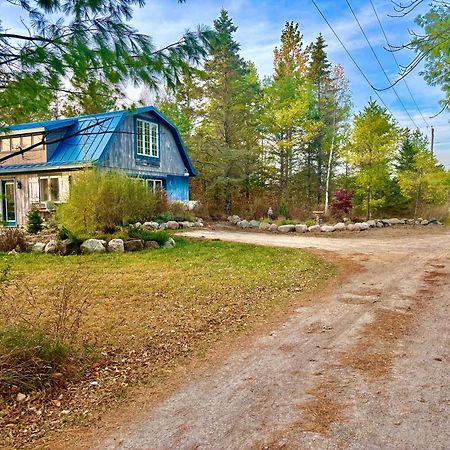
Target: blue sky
260	24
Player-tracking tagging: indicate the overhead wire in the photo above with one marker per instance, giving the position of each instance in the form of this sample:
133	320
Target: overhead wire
397	63
350	56
379	63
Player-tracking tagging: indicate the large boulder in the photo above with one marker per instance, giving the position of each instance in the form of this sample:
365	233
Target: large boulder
187	224
39	247
339	226
379	224
116	245
253	224
360	226
52	247
314	229
286	228
133	245
92	246
234	219
351	227
273	227
301	228
372	223
151	225
170	243
163	226
173	225
327	228
243	224
424	222
151	244
395	221
198	224
264	226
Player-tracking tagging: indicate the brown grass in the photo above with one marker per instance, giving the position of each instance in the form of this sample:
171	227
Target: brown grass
151	312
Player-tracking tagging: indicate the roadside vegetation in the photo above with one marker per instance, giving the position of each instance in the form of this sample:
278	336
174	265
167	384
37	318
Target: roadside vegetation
128	319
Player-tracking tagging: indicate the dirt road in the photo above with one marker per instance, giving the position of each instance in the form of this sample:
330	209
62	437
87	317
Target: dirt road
367	367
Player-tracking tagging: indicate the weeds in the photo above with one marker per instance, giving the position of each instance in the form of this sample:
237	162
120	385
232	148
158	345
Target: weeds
12	239
161	237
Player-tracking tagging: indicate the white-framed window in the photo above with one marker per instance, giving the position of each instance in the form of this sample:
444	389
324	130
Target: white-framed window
154	184
49	189
147	138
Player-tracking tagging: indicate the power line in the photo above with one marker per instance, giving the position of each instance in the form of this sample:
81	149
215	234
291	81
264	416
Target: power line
351	57
397	63
379	63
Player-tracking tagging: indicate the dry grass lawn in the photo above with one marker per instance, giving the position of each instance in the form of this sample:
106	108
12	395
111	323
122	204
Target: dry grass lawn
147	313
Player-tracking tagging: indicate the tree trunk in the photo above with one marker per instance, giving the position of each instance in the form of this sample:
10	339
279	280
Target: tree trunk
369	197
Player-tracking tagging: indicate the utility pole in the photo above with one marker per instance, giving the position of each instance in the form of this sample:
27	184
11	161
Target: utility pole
432	140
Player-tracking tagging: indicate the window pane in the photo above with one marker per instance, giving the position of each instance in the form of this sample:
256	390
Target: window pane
54	189
43	190
15	143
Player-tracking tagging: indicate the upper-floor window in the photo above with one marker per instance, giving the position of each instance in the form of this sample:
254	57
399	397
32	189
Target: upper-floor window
12	143
147	138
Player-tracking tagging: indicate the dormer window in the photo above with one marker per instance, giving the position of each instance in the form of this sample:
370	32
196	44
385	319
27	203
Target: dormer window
147	138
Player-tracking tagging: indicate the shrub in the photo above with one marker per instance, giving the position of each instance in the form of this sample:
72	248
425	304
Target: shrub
103	201
342	203
287	222
34	221
161	237
284	209
310	222
12	239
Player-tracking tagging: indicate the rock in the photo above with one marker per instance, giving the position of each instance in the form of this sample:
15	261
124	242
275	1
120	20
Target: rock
13	252
187	224
199	219
138	225
253	224
151	225
372	223
67	247
234	219
339	226
173	225
170	243
163	226
52	247
92	246
264	226
21	397
151	244
286	228
198	224
301	228
243	224
379	224
327	228
39	247
360	226
395	221
424	222
434	221
116	245
273	227
386	222
314	229
351	227
133	245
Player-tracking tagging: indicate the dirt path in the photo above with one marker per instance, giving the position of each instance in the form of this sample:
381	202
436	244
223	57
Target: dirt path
366	368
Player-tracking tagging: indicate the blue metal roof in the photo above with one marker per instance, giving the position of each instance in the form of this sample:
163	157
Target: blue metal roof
87	138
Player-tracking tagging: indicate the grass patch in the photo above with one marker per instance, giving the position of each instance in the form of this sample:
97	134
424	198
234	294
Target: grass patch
151	311
161	237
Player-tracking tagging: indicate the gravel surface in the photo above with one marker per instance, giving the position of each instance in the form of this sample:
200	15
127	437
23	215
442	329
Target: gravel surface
366	367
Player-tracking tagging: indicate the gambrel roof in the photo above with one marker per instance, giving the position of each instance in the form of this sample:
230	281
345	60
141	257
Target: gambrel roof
87	139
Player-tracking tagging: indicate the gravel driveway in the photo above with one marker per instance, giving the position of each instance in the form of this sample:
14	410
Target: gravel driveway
366	367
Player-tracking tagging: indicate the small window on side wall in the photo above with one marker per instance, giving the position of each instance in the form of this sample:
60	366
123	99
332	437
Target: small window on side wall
154	184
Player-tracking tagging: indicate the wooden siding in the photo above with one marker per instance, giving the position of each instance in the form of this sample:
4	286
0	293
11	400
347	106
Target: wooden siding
122	153
178	188
15	141
24	197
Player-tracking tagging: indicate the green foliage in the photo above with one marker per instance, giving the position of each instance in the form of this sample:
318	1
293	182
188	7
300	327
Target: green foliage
34	221
161	236
434	47
87	40
310	222
375	138
284	209
103	201
287	222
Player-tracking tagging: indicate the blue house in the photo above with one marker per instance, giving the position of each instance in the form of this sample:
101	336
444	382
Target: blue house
141	142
